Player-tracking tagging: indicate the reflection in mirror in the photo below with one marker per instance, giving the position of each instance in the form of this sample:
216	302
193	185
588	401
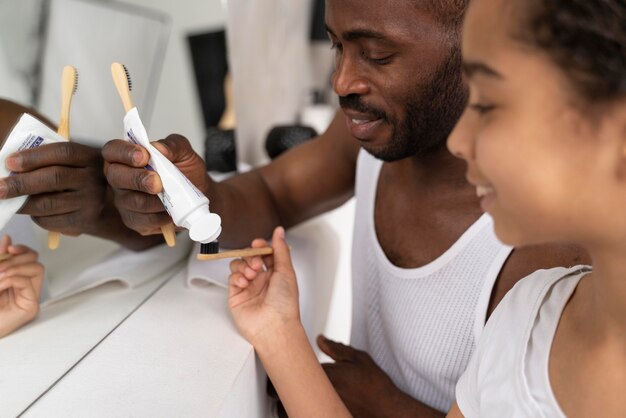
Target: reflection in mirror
63	303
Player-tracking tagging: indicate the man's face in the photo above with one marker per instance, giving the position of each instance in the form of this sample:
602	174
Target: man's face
397	75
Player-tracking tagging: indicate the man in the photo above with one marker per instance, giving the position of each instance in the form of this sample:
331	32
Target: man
424	254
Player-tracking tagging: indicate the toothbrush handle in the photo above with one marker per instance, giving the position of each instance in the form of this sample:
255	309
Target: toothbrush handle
169	233
53	240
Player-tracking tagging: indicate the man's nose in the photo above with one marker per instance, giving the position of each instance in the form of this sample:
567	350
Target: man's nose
347	80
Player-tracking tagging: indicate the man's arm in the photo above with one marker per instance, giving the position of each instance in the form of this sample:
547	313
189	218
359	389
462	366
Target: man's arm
305	181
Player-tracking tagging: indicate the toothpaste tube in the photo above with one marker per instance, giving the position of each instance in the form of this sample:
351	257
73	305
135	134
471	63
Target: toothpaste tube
187	206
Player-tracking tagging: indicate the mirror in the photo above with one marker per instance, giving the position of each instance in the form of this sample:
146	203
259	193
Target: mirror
91	285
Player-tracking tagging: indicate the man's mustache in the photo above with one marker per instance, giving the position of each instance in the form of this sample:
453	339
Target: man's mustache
354	102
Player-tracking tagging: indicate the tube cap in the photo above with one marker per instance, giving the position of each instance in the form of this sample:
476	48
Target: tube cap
203	225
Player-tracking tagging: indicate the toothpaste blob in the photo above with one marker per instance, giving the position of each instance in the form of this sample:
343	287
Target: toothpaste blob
187	206
28	133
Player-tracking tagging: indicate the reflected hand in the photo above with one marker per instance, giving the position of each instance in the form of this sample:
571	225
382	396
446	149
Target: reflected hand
263	293
364	387
65	185
135	188
21	278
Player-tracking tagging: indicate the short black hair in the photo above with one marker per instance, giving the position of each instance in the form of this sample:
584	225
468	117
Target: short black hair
448	12
586	39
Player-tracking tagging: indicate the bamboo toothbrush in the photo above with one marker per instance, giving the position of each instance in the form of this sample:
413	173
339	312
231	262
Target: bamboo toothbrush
69	84
123	83
244	252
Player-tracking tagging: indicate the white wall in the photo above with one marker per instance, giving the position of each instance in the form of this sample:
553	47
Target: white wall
177	108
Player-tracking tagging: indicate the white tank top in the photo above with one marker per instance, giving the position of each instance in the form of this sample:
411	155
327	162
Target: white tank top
420	325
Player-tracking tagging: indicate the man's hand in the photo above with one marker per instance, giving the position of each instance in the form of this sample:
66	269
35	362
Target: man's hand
135	188
65	185
364	387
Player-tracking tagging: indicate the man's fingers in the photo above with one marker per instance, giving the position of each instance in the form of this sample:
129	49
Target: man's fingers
335	350
50	204
123	152
123	177
145	223
138	202
44	180
69	154
175	148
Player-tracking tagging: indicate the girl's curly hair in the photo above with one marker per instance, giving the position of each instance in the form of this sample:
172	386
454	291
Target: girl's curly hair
585	38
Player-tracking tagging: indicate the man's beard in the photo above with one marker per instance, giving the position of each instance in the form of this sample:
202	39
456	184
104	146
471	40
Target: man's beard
431	113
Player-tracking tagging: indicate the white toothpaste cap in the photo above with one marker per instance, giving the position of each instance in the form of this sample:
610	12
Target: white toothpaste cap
203	226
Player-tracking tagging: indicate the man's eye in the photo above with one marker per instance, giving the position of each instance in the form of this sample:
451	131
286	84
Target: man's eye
382	61
378	59
480	108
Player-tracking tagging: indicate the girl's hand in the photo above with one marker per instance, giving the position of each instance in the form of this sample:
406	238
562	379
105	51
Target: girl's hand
263	293
21	278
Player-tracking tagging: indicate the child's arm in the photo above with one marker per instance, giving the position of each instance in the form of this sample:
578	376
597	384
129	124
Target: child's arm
21	278
263	298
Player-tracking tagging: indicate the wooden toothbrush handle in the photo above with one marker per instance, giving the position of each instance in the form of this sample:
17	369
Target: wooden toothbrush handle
54	239
169	233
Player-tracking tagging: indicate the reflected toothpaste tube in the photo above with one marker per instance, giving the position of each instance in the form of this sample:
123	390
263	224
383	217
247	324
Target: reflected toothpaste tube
187	206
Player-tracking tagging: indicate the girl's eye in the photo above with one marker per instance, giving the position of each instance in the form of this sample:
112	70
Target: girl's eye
480	108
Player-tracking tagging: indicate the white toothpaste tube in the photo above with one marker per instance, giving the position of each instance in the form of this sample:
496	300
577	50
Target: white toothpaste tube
187	206
28	133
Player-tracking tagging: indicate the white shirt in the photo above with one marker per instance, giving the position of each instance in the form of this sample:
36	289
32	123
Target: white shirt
508	374
420	325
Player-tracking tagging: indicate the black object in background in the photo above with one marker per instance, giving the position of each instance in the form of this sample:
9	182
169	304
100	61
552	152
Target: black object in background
219	150
208	55
282	138
318	25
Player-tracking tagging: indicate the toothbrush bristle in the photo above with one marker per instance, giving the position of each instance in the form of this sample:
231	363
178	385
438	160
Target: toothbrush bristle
75	82
130	82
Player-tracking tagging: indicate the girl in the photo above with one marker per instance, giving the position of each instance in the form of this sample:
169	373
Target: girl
21	278
544	138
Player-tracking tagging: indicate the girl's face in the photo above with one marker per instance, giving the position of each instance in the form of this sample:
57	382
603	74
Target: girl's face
544	167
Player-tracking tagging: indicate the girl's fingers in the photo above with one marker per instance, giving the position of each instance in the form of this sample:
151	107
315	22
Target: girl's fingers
244	267
282	255
259	243
26	258
5	242
30	270
238	280
20	249
20	283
